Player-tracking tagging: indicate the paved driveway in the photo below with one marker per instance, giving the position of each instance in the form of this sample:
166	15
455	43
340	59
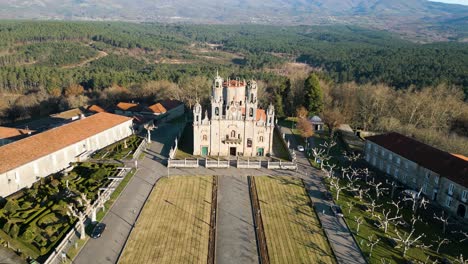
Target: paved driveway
345	248
235	232
124	213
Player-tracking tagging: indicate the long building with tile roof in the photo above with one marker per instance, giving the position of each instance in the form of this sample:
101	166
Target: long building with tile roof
440	175
25	161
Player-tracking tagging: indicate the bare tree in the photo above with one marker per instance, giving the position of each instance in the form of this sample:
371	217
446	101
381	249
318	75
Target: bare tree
378	190
373	205
320	154
397	206
330	169
352	156
414	199
386	219
332	119
350	206
440	241
361	192
465	234
461	260
444	219
372	242
359	221
335	183
328	145
394	184
406	240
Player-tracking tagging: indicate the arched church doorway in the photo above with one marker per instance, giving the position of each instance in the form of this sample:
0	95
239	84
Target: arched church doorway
461	210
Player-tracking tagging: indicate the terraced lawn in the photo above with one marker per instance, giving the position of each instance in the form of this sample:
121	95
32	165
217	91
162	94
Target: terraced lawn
292	229
174	224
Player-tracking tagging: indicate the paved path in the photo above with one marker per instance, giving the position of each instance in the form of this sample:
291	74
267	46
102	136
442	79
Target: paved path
345	248
124	213
235	232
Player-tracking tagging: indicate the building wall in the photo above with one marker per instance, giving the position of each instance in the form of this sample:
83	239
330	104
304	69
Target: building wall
212	134
25	175
415	177
453	195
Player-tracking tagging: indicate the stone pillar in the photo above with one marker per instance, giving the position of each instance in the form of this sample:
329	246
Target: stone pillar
149	136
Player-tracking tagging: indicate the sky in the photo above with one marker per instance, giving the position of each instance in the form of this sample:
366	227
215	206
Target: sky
461	2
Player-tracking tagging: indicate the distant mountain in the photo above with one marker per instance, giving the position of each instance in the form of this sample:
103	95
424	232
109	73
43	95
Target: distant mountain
410	17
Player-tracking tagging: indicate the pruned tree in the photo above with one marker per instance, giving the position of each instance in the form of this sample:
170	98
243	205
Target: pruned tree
378	189
373	205
328	145
416	200
359	221
350	206
440	241
461	260
320	154
361	192
372	242
394	185
386	219
335	183
397	206
406	239
330	169
352	156
444	219
465	235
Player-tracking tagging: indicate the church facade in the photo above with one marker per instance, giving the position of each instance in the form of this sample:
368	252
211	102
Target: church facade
234	125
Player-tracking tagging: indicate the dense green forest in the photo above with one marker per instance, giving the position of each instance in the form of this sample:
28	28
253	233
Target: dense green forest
46	67
32	53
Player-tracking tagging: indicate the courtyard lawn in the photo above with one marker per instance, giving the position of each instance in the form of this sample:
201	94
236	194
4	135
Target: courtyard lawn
292	229
174	225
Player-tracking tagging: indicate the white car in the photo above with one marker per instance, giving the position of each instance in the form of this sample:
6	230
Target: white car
300	148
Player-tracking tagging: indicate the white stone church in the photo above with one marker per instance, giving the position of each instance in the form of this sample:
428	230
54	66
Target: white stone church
235	125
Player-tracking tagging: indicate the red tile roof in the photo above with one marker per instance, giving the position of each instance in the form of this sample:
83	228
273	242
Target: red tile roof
36	146
157	108
127	106
10	132
96	109
436	160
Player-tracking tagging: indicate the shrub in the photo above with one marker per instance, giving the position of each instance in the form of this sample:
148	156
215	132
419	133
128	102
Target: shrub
14	230
6	227
55	183
28	235
53	238
11	206
43	250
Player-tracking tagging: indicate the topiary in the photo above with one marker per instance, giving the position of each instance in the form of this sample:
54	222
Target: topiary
43	250
28	235
14	230
6	227
11	206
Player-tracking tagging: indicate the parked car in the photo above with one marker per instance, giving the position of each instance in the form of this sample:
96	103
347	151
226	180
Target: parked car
98	229
328	196
336	210
300	148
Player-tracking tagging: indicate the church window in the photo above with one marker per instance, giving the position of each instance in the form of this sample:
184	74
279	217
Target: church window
240	103
217	111
251	112
260	139
197	118
249	143
205	138
233	134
